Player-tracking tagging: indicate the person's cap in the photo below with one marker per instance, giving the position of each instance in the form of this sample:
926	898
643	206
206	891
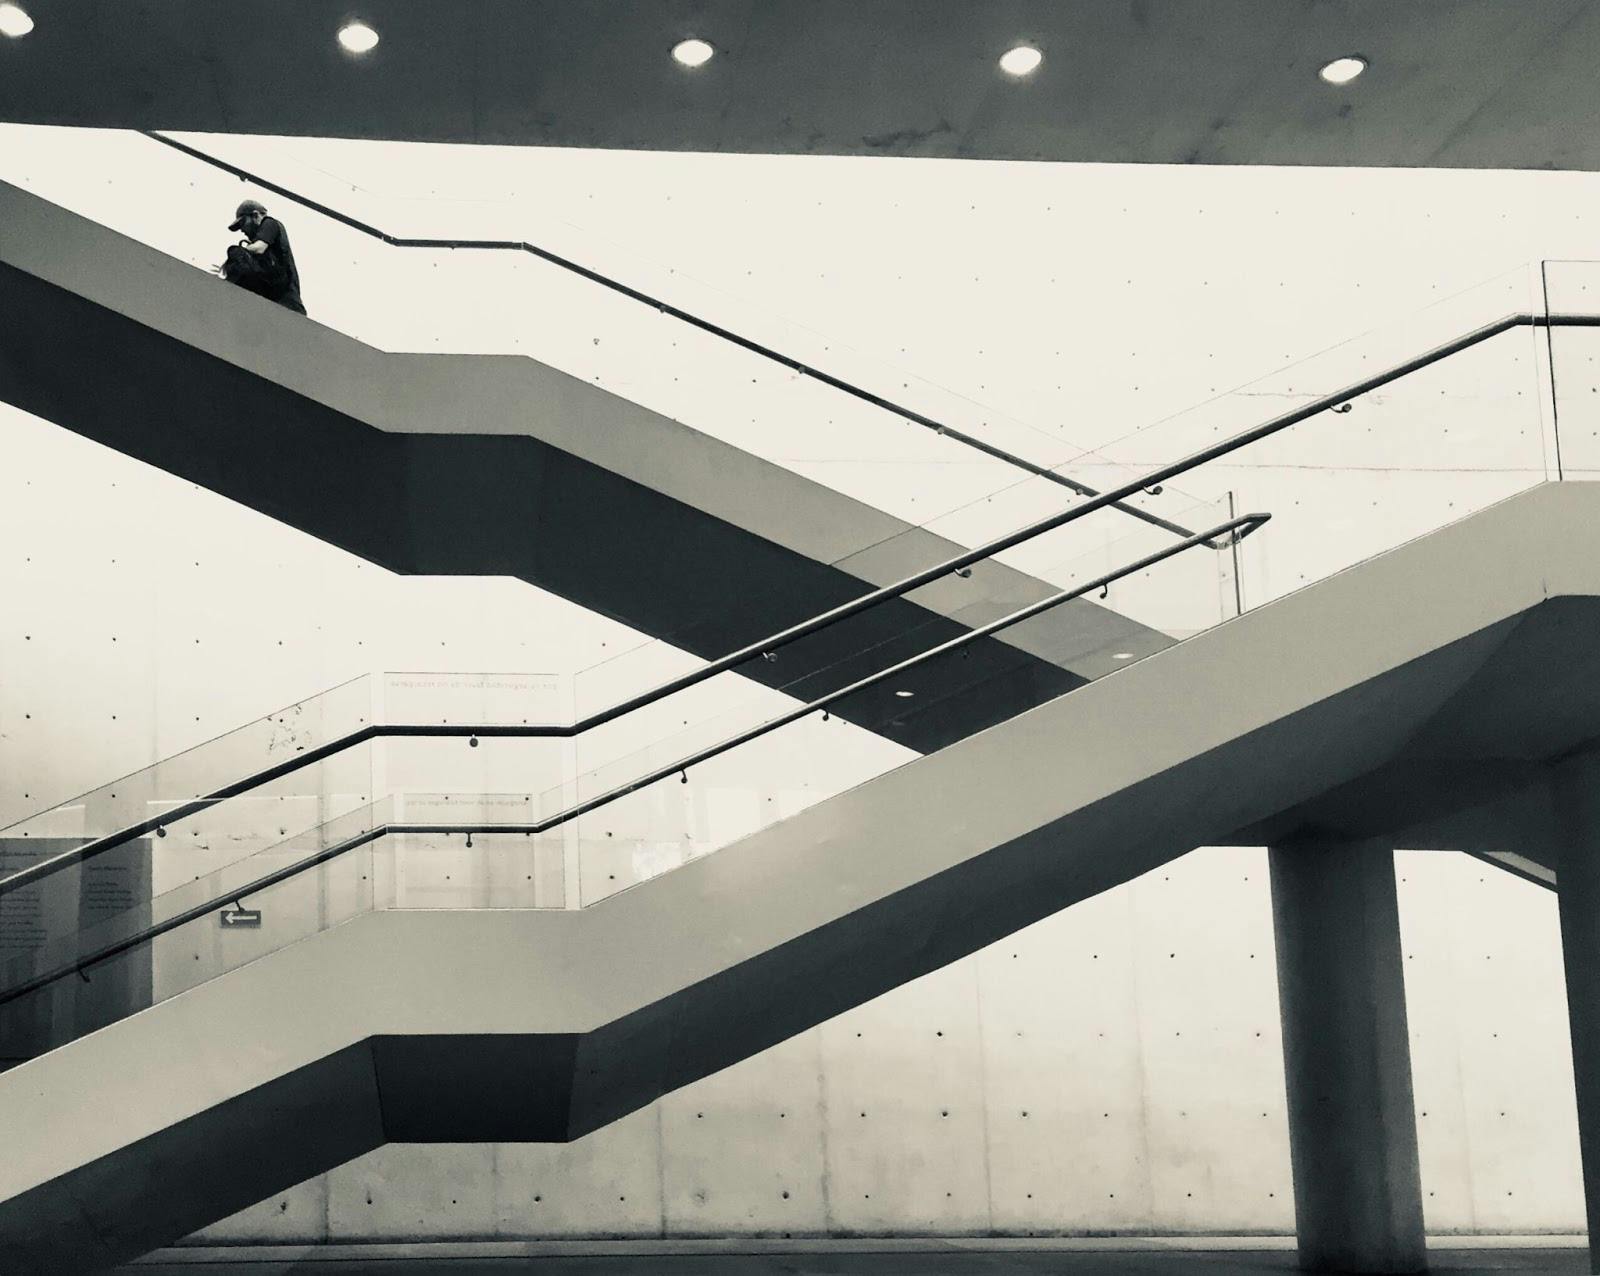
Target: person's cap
244	210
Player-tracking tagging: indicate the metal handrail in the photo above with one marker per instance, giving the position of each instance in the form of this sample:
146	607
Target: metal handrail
667	308
1235	529
773	643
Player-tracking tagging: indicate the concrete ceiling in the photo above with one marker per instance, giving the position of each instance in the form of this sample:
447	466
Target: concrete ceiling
1452	83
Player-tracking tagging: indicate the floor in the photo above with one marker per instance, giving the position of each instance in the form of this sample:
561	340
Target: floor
970	1259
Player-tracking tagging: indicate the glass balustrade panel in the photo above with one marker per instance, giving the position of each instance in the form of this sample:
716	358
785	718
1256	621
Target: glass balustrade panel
646	810
87	971
168	801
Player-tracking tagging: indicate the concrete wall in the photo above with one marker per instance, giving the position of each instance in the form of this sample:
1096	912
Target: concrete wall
1102	1071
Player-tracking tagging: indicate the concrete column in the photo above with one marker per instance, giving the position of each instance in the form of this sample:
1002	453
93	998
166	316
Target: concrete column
1577	808
1347	1058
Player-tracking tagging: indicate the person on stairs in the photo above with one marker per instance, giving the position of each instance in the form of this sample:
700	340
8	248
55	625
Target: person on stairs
264	262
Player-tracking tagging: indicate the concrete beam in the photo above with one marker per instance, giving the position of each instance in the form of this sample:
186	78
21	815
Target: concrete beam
1347	1059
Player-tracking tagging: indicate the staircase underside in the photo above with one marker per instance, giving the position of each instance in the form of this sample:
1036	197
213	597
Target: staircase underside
1474	778
1473	655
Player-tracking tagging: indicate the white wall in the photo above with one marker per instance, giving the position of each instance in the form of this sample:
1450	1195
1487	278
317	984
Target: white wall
1062	305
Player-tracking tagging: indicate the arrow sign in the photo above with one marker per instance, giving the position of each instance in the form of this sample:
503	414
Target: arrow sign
234	917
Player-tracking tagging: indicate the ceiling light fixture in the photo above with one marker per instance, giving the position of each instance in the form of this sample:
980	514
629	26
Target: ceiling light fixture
1343	70
358	37
1020	61
692	53
1122	655
905	695
14	21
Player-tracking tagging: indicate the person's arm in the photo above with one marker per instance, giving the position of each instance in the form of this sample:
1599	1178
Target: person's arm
266	237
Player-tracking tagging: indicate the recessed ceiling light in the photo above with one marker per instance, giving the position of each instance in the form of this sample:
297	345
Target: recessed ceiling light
14	21
1343	70
358	37
692	53
905	695
1020	61
1122	655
